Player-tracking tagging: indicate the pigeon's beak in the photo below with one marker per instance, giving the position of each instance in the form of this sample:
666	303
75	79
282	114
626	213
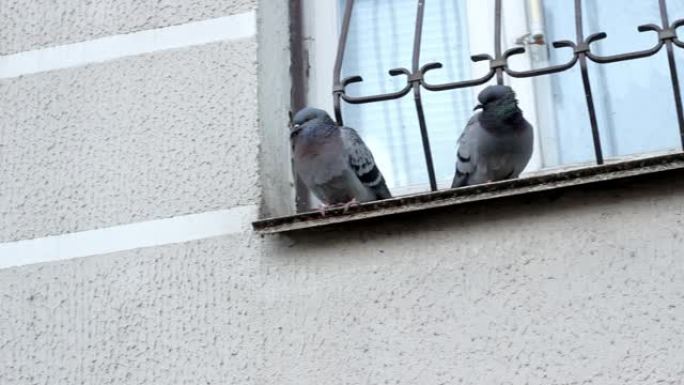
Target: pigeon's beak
478	107
294	130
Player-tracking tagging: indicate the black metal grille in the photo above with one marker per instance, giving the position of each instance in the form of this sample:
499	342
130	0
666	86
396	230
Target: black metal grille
498	65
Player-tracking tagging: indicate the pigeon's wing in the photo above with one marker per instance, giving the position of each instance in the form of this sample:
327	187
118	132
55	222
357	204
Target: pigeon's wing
525	143
362	163
465	162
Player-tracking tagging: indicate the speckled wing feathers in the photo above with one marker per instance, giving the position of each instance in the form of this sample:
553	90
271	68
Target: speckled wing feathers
465	162
362	162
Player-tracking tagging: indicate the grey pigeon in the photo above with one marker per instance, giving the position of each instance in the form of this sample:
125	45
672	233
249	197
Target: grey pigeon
333	161
496	143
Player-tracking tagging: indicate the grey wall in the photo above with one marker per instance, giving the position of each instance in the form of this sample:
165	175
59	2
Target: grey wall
275	86
34	24
129	140
583	288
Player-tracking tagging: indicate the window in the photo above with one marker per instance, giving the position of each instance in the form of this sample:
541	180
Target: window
634	102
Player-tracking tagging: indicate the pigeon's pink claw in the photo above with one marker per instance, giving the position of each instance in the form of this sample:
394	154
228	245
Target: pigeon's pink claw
350	204
323	207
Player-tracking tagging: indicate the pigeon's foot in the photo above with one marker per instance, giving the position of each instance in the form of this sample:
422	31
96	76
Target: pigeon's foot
322	209
350	204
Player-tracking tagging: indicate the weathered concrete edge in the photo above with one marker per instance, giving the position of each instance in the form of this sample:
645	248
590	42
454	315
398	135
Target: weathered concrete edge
274	100
415	203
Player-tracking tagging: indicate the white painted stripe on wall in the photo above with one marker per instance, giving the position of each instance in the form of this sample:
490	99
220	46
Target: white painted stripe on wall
113	47
128	237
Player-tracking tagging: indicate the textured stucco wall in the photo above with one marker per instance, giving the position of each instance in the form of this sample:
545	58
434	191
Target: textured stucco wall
129	140
171	315
587	288
275	85
44	23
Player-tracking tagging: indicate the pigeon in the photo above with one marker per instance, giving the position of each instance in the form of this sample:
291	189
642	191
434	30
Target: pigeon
496	143
333	161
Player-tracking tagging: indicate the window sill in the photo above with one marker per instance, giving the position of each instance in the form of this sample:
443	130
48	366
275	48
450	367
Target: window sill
487	192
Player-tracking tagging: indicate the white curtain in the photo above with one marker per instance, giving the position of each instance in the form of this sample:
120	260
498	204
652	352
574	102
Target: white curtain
634	99
381	38
636	111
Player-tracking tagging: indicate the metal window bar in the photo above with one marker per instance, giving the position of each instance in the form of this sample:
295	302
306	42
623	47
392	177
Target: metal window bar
498	65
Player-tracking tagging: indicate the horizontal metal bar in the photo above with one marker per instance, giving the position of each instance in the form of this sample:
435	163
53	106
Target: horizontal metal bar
548	70
624	56
499	65
380	97
675	25
455	85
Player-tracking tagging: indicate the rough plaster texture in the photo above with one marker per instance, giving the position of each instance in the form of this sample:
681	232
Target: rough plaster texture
28	25
171	315
586	288
274	104
136	139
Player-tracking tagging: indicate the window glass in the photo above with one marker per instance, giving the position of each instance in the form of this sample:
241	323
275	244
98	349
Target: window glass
381	38
634	99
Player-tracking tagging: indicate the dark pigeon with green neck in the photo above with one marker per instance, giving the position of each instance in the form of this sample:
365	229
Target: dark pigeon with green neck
497	142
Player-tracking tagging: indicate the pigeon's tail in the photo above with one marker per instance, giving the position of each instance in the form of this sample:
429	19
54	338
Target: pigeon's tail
381	191
375	182
460	180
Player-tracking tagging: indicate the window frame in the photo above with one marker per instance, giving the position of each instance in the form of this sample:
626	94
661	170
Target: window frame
612	169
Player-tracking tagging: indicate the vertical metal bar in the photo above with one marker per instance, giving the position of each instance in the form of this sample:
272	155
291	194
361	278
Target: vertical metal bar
416	78
298	94
498	52
337	71
673	71
582	54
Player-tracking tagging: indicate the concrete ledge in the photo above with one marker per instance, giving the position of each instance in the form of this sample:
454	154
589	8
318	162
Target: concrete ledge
558	181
